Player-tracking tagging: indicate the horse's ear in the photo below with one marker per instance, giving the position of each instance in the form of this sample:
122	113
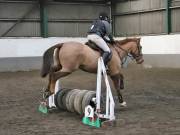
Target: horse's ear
138	40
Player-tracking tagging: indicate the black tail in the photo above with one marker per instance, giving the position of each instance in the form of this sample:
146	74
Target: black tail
48	59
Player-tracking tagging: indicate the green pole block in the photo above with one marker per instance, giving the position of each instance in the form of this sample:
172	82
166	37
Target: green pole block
87	121
43	109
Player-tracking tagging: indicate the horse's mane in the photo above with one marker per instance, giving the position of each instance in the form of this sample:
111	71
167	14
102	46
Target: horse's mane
124	41
117	43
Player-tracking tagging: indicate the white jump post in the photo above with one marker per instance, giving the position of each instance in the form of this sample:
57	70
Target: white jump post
90	113
109	98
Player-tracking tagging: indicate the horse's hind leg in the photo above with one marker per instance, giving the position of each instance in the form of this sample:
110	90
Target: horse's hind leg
54	76
57	66
59	74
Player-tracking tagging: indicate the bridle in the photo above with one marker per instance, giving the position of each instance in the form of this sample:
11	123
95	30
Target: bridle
139	54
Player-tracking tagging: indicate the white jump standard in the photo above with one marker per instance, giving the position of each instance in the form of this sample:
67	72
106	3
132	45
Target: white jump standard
109	113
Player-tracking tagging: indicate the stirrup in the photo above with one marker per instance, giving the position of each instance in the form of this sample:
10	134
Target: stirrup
106	67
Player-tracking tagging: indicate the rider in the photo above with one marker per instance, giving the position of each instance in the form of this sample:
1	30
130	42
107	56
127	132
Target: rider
98	33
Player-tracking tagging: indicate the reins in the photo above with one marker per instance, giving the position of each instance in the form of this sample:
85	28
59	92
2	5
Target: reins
121	58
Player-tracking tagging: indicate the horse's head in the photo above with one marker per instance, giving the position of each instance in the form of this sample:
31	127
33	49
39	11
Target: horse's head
131	46
136	51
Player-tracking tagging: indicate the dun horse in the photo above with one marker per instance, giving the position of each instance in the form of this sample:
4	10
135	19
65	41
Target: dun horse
70	56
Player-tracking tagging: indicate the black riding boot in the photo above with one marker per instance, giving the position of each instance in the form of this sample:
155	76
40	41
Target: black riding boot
106	57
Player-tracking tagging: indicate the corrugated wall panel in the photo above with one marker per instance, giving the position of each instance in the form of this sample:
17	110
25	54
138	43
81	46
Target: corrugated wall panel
83	28
92	12
127	25
145	23
74	19
10	13
152	23
17	10
62	29
149	15
175	20
155	4
123	7
64	19
68	29
62	12
138	5
79	14
24	29
163	3
175	3
68	11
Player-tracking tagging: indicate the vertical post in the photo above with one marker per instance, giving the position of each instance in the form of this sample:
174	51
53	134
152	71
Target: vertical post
43	18
109	98
98	87
168	16
112	12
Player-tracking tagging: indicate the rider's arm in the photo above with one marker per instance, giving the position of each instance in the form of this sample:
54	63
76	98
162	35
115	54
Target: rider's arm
108	30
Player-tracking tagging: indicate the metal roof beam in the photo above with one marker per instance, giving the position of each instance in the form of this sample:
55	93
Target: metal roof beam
81	1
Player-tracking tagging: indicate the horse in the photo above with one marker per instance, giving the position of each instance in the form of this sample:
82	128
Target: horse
71	56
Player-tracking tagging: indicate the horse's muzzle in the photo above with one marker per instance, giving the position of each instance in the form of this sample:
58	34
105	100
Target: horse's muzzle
139	60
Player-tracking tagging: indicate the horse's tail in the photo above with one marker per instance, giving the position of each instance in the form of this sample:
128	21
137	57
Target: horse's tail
48	60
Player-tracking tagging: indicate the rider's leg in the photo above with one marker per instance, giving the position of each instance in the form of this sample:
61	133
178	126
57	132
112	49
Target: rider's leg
106	57
103	45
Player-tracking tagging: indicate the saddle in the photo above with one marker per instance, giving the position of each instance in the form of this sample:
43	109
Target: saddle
93	46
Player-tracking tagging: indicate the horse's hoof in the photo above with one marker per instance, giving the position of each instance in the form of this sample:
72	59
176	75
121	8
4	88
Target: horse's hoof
122	87
123	104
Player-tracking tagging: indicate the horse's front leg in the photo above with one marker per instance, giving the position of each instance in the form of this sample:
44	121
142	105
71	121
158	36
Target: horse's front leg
118	81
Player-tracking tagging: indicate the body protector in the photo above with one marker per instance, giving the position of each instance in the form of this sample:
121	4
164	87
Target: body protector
102	28
98	28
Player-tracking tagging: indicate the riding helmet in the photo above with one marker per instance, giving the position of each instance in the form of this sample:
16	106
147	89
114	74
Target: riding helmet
103	16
